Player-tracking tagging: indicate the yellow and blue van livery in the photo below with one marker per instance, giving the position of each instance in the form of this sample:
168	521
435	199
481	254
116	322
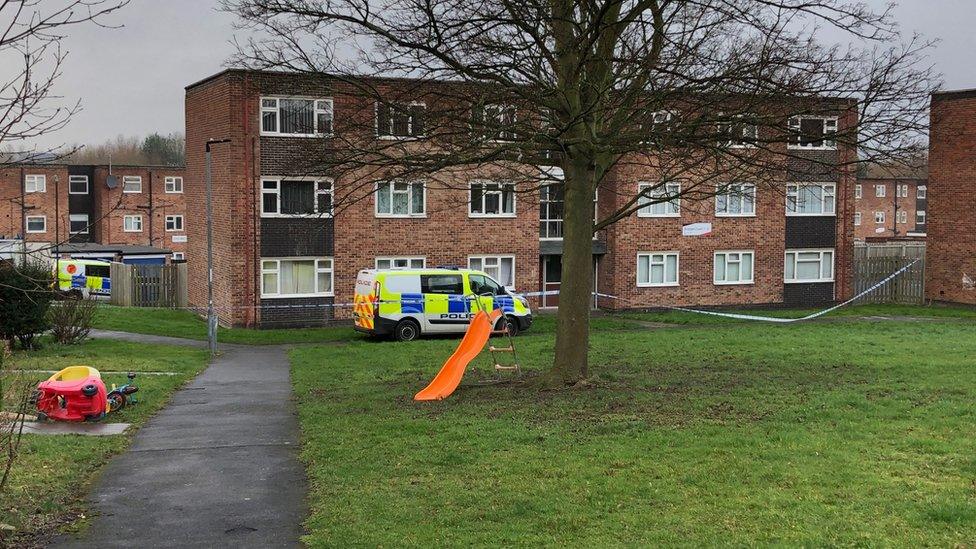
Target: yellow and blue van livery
84	276
406	303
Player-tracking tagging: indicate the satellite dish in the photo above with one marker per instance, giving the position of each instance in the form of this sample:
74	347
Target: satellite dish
112	182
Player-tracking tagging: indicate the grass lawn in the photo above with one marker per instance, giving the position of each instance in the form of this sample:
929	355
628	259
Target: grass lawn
52	474
733	433
177	323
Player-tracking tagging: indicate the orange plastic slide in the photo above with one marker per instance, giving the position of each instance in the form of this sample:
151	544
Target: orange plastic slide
473	343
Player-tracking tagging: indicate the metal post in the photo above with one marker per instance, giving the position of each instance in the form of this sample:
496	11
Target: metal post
211	316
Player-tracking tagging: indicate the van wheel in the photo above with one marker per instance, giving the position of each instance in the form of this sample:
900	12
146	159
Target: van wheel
510	323
406	330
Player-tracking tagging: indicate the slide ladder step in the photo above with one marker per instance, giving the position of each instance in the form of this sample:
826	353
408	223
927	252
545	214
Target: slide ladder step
494	349
504	367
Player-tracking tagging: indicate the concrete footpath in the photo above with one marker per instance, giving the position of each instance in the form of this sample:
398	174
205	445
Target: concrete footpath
217	467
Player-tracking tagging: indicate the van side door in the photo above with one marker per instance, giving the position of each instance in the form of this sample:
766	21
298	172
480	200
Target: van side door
445	309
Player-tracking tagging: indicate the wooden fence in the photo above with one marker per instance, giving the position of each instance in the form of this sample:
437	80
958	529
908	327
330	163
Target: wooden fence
149	285
875	262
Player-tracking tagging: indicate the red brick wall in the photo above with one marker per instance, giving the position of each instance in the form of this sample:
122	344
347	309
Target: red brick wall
153	204
951	253
53	203
869	203
218	110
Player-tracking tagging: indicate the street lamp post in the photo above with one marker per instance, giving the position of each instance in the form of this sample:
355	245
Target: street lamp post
211	316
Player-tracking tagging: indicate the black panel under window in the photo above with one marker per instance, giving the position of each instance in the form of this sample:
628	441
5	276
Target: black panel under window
296	237
815	231
814	293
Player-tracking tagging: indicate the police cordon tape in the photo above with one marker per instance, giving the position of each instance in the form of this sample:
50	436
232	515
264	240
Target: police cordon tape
884	281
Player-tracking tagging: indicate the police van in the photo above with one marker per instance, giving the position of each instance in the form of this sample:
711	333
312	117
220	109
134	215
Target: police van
406	303
84	277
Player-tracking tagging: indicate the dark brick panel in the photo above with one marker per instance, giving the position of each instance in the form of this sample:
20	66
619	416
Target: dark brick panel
297	312
813	166
811	232
83	203
297	237
808	294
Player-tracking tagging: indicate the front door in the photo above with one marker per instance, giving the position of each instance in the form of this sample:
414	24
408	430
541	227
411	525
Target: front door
551	274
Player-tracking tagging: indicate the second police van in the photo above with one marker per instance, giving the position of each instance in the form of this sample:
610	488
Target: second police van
406	303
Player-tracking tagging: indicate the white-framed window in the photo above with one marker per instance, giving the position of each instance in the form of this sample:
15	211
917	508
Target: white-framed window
499	122
296	116
132	184
657	269
902	216
401	199
281	197
401	262
173	184
179	256
736	200
902	191
551	207
857	191
809	266
397	120
857	218
810	198
738	133
36	224
491	199
659	200
499	267
297	277
920	217
920	192
77	184
35	183
879	218
813	132
78	223
734	267
132	224
880	191
174	223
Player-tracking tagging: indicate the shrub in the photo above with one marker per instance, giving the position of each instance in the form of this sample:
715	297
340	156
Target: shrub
26	292
71	319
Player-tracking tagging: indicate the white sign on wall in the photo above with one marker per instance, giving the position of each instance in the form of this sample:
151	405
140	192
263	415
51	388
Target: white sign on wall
696	229
179	238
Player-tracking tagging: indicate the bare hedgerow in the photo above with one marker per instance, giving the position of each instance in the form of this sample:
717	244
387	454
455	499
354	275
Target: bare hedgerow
71	319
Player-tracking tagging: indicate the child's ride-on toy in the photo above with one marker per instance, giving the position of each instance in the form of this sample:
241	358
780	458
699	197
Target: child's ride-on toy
78	394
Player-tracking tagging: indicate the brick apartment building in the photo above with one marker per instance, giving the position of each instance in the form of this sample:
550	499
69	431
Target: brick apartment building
84	210
278	265
890	209
951	255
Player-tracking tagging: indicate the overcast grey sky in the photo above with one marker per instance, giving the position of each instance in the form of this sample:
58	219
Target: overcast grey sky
130	80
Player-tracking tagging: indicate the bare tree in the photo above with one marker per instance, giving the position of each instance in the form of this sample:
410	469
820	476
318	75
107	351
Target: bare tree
705	91
32	57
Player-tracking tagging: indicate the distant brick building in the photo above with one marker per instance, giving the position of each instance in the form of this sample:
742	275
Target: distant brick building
890	209
951	255
53	204
274	226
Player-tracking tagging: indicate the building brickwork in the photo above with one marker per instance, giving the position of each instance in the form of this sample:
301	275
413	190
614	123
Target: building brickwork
82	193
893	215
249	244
951	243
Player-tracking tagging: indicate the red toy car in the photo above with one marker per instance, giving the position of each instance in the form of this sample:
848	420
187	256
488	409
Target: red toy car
73	394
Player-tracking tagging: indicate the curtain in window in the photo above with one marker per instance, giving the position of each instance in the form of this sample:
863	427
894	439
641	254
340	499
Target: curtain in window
401	198
298	277
297	116
297	197
506	276
417	190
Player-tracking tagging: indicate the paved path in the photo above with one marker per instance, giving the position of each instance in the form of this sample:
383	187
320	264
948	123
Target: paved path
217	467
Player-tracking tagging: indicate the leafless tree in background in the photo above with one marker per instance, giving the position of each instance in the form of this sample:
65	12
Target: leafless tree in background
670	87
32	58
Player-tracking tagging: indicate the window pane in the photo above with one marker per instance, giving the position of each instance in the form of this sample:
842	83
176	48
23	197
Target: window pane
325	282
657	273
508	199
418	198
269	121
477	198
827	269
324	204
790	266
270	283
507	274
297	197
672	263
492	203
270	202
642	269
746	266
297	116
383	198
808	270
400	202
298	277
475	264
720	268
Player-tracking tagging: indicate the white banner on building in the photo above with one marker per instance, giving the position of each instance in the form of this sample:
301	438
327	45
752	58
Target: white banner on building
696	229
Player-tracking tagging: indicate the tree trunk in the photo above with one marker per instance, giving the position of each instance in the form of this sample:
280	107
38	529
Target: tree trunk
576	286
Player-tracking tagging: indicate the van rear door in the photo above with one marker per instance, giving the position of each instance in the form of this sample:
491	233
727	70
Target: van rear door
365	299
